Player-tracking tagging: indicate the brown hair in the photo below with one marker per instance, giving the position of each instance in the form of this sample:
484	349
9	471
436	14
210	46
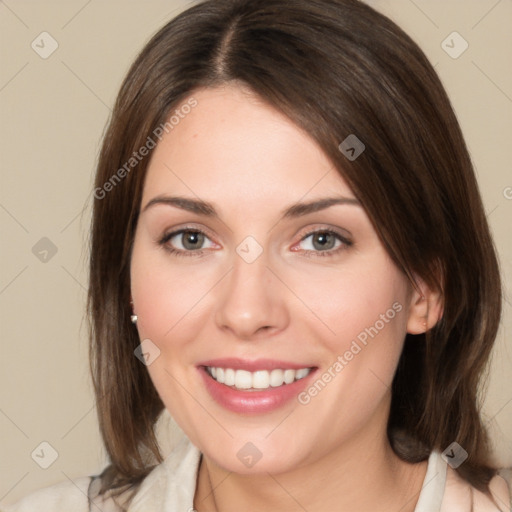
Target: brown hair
335	68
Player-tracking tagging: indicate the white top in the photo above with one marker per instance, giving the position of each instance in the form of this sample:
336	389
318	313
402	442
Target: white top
170	487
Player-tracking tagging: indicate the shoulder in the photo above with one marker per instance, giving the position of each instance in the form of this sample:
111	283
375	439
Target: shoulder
444	490
460	495
64	496
169	486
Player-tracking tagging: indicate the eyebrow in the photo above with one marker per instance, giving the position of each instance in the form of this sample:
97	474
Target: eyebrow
207	209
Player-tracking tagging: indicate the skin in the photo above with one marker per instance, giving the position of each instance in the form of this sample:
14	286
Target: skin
292	303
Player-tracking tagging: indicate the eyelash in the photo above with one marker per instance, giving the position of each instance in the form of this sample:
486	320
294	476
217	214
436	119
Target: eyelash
329	253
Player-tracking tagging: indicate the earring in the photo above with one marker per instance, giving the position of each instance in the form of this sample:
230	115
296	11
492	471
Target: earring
133	316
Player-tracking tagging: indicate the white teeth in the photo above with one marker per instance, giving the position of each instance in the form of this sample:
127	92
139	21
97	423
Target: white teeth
289	376
301	373
276	378
261	379
229	377
243	379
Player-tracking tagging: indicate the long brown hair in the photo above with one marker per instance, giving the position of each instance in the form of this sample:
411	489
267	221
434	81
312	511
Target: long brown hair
335	68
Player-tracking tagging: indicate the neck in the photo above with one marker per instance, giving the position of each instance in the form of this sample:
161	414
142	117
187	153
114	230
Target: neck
363	474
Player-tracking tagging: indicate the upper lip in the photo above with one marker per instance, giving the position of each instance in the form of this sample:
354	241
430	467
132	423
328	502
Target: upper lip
253	365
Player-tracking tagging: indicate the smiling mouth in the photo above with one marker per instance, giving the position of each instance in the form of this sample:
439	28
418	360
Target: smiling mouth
244	380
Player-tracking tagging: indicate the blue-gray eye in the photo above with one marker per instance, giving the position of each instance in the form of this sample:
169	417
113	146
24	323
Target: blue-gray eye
321	241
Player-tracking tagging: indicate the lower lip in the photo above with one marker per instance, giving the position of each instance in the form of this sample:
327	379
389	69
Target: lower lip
253	402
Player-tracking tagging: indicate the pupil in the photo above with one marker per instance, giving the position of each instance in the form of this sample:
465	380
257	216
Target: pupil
192	239
324	240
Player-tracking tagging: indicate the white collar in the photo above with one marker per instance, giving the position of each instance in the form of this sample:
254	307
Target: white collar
172	484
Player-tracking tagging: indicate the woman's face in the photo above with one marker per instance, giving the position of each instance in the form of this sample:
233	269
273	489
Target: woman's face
301	314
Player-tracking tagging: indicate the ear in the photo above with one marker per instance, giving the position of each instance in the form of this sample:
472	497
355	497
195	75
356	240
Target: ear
425	308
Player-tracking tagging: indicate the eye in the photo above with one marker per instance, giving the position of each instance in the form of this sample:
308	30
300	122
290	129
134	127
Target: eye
186	242
324	242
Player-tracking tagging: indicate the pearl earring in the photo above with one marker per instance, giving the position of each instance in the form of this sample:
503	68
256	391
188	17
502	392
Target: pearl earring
133	316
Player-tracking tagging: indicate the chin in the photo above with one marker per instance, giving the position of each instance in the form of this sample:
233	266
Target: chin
250	455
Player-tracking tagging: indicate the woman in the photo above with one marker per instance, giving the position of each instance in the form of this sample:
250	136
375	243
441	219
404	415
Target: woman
289	254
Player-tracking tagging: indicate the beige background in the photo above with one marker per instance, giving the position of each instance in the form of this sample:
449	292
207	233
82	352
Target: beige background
53	114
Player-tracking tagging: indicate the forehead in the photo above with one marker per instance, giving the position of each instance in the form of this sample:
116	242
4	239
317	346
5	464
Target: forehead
232	144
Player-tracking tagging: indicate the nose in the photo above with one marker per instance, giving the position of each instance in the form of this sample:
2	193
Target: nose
251	302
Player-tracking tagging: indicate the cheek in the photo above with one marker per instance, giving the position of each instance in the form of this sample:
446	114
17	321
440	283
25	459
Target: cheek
362	327
166	294
167	301
361	323
360	304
